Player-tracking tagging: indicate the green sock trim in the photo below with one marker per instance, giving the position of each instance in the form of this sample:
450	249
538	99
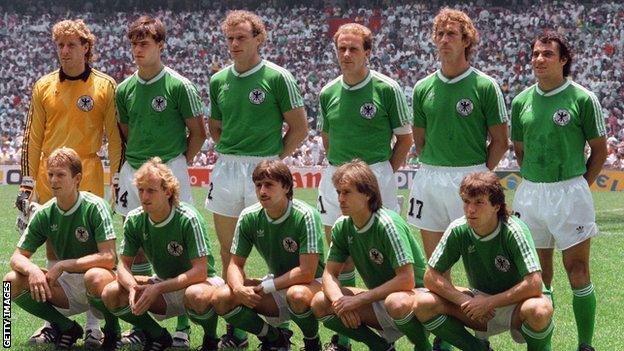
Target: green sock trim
306	321
415	331
245	318
183	324
43	310
200	316
435	322
362	333
207	320
538	340
584	307
347	278
147	323
404	320
585	291
537	334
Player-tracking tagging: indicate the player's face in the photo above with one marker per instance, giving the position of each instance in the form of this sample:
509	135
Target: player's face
242	43
271	194
479	212
61	181
449	41
352	202
71	52
154	199
352	57
546	61
146	51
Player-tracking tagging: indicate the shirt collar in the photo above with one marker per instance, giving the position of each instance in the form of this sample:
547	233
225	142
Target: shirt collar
73	208
490	236
166	221
84	75
446	80
282	218
554	91
359	85
155	79
368	224
248	72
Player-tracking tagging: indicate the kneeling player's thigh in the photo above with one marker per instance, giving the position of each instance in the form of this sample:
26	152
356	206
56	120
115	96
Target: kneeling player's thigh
299	295
200	295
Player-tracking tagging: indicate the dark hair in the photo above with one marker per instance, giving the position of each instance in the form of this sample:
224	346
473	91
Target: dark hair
565	49
485	183
360	175
275	170
147	26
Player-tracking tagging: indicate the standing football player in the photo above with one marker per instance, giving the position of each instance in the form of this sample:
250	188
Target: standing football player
456	109
157	107
360	113
551	123
250	100
72	106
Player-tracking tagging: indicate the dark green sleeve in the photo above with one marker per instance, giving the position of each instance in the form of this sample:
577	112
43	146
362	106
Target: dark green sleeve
447	253
215	110
131	240
34	235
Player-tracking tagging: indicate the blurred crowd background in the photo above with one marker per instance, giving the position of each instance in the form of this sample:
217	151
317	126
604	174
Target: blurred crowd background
300	40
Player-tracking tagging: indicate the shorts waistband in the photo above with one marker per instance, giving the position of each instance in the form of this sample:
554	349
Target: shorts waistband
463	169
374	165
558	184
246	159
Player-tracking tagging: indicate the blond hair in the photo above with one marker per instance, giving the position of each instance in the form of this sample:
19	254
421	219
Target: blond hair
79	29
468	30
356	29
237	17
65	157
168	181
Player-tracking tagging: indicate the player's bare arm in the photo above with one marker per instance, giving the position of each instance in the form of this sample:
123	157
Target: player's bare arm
597	157
195	138
331	284
297	130
440	285
236	280
480	306
400	150
302	274
123	128
519	151
419	139
104	258
325	139
37	282
499	144
215	128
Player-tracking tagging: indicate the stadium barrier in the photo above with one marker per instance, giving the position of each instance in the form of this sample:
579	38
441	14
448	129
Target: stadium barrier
310	177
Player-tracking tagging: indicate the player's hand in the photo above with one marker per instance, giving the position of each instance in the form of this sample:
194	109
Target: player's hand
259	289
148	293
247	296
54	273
346	304
25	193
38	285
479	308
114	189
351	319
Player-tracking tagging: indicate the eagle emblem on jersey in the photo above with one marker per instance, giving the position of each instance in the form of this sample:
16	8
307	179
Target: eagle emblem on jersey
257	96
375	256
368	110
82	234
561	117
290	244
174	248
502	263
85	103
464	107
159	103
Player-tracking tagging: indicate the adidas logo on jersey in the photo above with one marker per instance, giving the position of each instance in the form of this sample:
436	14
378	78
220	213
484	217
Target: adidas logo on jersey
260	233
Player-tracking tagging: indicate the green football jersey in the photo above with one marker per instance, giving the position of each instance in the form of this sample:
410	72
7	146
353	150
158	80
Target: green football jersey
251	107
171	244
553	127
280	241
73	233
493	263
384	244
156	112
456	114
360	120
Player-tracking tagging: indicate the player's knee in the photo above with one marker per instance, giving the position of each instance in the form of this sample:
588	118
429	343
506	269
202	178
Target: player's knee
96	279
320	305
537	312
111	295
18	282
222	300
197	298
578	272
425	306
399	304
299	298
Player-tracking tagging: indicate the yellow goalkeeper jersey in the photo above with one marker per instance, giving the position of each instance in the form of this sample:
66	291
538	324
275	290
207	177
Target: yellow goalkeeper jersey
72	112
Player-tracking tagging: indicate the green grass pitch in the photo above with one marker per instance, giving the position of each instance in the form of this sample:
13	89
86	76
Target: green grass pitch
605	265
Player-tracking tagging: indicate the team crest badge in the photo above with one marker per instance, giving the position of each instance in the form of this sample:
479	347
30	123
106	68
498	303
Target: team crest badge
375	256
85	103
159	103
502	263
174	248
368	110
257	96
464	107
561	117
82	234
290	244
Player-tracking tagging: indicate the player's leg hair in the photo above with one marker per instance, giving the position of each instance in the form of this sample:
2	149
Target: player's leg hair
96	279
224	226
